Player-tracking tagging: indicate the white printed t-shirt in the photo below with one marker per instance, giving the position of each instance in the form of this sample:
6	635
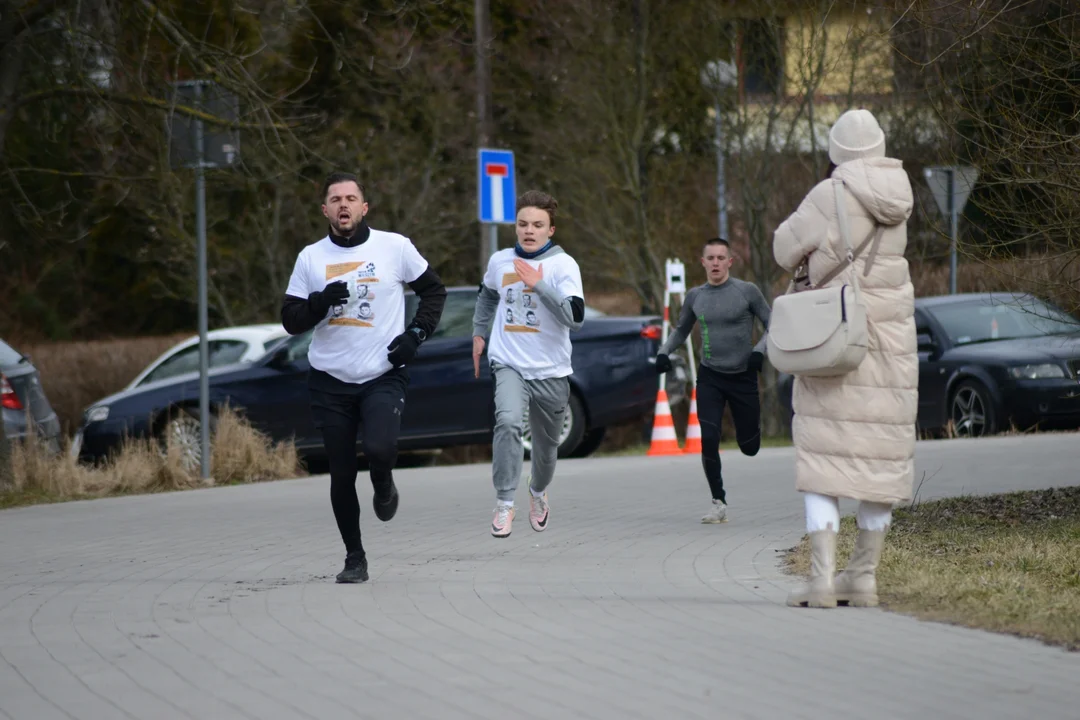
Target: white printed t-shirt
350	342
525	335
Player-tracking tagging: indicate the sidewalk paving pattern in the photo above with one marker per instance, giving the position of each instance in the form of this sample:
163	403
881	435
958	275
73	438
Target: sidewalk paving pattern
220	603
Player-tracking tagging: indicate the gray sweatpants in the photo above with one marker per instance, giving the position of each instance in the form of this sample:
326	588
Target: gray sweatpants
546	402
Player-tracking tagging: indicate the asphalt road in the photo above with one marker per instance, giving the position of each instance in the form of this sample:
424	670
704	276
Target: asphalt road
220	603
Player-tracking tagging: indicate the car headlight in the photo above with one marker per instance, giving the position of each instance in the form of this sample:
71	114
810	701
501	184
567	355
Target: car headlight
1037	372
97	414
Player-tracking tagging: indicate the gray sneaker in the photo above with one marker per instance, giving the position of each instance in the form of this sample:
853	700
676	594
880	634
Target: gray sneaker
718	514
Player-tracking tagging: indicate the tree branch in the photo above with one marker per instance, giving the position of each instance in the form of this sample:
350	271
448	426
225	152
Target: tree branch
149	101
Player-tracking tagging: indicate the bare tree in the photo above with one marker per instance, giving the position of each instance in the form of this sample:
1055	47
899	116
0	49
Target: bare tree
800	67
84	158
1002	80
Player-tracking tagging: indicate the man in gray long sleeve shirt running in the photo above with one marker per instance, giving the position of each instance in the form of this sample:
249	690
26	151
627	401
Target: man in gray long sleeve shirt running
726	308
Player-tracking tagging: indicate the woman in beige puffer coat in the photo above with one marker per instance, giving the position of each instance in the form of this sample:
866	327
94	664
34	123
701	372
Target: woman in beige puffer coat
855	434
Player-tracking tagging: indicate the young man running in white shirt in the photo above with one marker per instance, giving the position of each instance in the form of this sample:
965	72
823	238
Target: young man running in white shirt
349	287
533	293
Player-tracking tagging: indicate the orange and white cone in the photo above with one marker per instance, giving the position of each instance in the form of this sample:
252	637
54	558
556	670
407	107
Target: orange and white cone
664	439
693	427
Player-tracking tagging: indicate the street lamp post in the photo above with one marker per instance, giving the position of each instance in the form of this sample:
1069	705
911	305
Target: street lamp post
717	76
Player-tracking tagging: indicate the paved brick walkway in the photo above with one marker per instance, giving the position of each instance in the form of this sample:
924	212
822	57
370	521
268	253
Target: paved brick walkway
220	604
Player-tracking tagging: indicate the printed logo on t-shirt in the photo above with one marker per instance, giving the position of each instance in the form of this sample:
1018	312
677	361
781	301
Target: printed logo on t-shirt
358	311
519	318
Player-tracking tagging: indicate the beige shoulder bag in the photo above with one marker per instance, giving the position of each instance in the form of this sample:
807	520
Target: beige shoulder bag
821	331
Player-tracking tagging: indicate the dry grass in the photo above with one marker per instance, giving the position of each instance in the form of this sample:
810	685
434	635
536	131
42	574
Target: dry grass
239	454
76	374
1006	563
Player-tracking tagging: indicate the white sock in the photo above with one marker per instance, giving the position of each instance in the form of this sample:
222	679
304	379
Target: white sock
535	493
822	512
873	516
507	503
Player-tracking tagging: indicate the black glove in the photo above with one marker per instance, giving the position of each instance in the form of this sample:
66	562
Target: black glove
336	293
403	348
663	364
757	359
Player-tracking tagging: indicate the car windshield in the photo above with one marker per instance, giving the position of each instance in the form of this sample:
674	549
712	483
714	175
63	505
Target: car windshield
1002	319
9	355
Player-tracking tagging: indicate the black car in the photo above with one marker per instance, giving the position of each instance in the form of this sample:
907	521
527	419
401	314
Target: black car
989	361
22	400
614	381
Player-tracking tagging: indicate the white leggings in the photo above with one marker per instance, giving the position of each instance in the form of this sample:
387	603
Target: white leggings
823	511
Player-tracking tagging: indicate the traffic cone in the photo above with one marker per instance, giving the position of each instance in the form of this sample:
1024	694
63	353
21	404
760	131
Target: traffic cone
664	440
693	427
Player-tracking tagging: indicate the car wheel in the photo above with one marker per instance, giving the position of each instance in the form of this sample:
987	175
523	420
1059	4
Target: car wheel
570	434
971	410
183	431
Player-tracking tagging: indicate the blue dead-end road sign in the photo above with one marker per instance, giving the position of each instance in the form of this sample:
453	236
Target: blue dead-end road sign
496	187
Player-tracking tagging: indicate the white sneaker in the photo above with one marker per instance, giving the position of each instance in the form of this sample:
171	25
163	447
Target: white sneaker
503	521
718	514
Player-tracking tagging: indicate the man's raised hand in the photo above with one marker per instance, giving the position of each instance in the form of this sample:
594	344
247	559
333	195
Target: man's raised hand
529	275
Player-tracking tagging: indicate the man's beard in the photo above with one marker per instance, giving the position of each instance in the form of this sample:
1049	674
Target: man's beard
335	224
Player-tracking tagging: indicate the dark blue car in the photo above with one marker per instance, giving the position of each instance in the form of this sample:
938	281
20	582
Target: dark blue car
614	381
988	361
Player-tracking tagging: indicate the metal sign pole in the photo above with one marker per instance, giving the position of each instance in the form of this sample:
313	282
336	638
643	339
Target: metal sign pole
191	146
721	190
204	359
953	230
951	185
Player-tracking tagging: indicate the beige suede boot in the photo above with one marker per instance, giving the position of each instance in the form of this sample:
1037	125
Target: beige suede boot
857	584
819	591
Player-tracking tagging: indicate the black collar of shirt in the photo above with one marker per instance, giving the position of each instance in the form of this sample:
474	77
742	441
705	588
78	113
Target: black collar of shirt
359	237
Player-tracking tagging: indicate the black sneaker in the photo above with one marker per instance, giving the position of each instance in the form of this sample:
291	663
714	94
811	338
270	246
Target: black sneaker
386	510
355	568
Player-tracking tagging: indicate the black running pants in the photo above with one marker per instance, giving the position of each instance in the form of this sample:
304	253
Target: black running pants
375	408
740	392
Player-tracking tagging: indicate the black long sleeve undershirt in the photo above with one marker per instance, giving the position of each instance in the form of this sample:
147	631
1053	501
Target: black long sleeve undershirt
430	289
297	316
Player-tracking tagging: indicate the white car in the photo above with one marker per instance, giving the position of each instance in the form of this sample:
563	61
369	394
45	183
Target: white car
225	346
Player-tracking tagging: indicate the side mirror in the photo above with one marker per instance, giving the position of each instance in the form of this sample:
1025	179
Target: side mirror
926	342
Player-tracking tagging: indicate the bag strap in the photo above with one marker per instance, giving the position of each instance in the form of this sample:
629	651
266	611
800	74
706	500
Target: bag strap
874	247
845	235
